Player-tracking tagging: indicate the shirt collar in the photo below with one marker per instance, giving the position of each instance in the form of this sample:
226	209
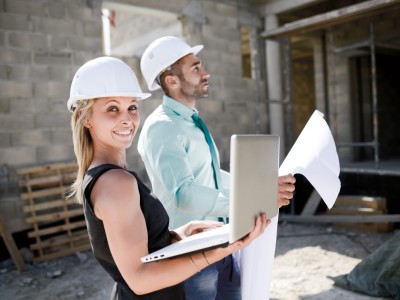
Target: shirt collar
178	107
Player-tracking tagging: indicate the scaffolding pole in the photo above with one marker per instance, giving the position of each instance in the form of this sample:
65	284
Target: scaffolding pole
370	42
255	70
374	96
289	114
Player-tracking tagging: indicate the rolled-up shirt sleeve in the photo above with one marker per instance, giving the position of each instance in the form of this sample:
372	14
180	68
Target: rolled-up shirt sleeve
202	200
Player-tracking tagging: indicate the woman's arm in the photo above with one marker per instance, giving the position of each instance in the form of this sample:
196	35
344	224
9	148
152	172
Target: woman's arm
116	202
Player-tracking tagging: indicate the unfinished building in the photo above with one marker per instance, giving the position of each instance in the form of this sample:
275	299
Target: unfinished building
272	63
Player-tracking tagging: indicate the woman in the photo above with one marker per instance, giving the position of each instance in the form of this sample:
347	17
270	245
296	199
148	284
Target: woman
125	222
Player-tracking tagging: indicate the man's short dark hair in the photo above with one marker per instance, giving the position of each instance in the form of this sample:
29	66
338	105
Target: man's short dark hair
176	69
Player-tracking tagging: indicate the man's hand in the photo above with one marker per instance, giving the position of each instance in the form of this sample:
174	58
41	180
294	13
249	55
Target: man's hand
285	189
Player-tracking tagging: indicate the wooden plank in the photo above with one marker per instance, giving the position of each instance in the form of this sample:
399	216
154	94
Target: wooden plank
57	229
55	216
362	201
395	218
10	245
370	170
312	204
56	203
334	17
49	180
44	193
55	249
42	169
367	227
59	240
62	253
354	210
44	188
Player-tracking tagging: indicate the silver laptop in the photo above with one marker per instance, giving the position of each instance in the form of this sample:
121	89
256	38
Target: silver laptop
253	189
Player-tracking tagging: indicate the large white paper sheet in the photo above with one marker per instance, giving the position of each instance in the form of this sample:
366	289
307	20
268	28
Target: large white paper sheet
256	263
314	156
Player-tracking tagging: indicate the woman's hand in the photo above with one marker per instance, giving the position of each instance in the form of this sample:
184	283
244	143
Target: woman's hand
194	227
259	227
285	189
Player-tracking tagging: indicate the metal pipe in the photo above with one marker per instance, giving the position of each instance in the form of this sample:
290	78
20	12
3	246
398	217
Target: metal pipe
255	70
360	144
288	94
358	45
374	95
333	84
288	108
326	78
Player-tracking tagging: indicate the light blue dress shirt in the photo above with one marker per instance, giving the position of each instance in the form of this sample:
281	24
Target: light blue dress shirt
179	165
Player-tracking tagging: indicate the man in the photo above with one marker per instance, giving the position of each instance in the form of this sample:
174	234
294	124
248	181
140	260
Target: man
182	166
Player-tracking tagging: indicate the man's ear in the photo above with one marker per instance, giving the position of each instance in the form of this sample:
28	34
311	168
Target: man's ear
171	81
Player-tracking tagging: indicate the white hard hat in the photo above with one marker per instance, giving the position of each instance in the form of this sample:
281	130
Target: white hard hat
104	77
161	54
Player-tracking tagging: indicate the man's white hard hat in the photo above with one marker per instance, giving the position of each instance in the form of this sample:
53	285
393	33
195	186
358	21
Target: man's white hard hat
104	77
160	55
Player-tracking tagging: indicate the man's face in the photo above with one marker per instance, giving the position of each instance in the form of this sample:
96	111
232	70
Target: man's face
193	78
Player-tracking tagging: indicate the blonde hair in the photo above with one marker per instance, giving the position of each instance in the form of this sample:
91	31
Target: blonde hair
83	145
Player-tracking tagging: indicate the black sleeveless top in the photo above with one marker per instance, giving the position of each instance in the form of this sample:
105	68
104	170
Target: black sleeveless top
157	222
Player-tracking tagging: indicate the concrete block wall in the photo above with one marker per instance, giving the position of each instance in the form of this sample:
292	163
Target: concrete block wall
303	92
386	30
231	105
42	43
226	109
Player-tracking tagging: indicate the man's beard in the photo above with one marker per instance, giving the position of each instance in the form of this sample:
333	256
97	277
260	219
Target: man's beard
194	91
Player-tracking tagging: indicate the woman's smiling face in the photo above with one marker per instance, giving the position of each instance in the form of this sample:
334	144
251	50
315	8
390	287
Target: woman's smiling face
114	121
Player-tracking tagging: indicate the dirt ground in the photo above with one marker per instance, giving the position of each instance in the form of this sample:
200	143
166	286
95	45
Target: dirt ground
305	256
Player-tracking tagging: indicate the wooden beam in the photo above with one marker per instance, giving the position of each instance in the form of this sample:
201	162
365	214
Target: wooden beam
395	218
312	204
281	6
10	244
334	17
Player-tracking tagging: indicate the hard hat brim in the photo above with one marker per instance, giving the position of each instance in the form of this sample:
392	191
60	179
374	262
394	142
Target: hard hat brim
73	100
195	49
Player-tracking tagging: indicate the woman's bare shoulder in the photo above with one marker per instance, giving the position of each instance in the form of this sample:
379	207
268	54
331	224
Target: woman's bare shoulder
115	188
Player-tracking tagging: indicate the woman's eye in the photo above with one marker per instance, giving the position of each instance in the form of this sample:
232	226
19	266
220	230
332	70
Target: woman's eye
133	107
112	109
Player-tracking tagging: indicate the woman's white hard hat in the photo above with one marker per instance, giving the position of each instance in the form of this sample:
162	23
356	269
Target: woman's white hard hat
160	55
104	77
